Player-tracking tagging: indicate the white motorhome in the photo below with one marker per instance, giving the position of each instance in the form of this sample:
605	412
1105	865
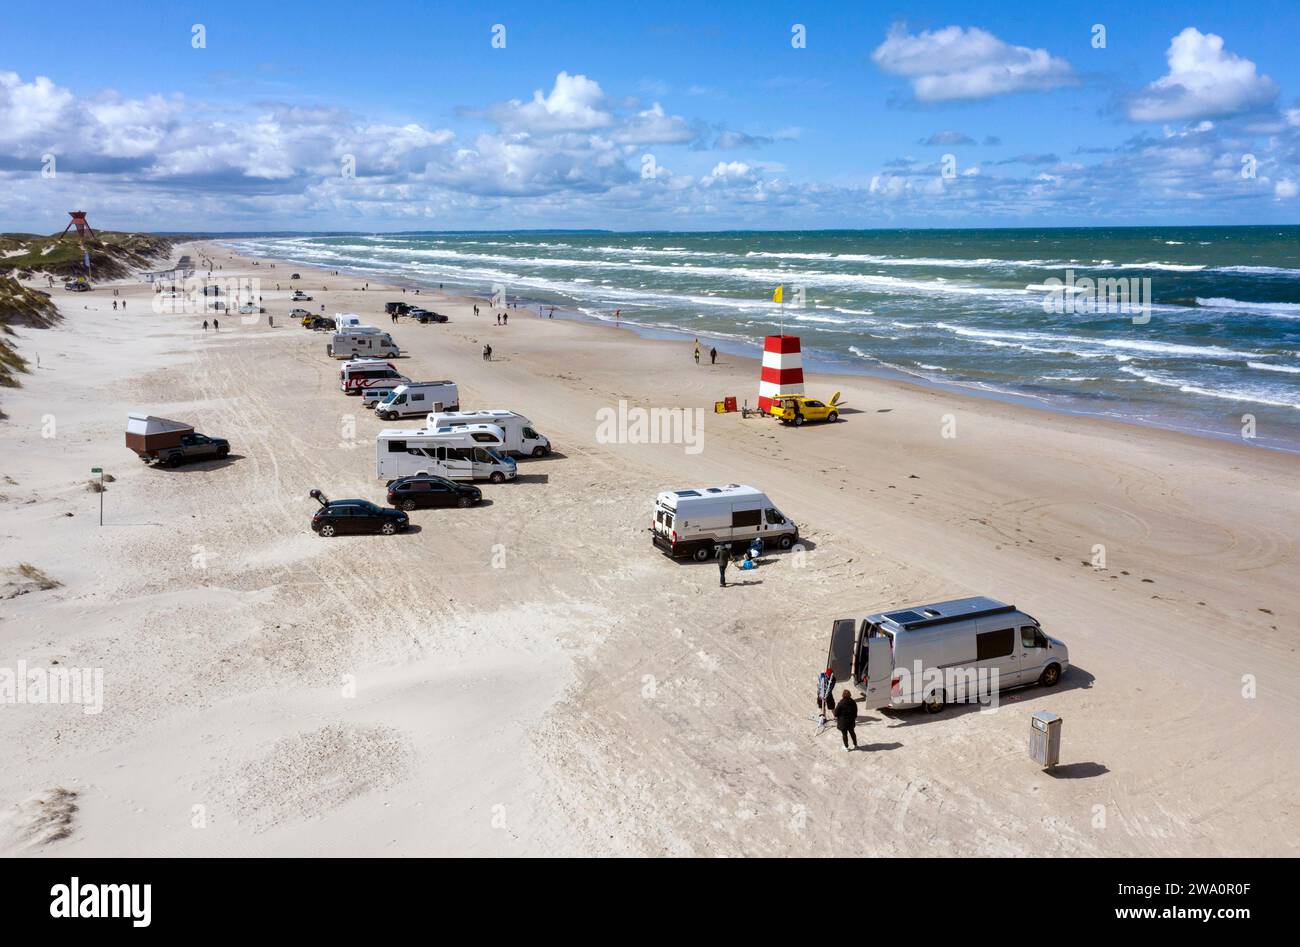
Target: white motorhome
457	454
418	397
521	437
694	522
369	373
346	320
960	651
362	342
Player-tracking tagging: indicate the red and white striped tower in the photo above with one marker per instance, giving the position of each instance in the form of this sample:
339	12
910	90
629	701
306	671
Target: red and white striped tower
782	369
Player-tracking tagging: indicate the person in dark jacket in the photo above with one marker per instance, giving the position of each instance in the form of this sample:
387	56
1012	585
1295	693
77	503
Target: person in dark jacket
724	557
846	718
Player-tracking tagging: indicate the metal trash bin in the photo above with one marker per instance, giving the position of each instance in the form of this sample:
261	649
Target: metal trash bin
1045	738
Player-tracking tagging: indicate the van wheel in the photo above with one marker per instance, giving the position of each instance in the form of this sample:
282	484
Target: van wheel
497	477
1051	675
934	703
327	530
388	528
702	554
408	505
833	417
786	541
539	451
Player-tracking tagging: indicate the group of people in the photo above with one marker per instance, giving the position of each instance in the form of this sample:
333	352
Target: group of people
845	712
713	354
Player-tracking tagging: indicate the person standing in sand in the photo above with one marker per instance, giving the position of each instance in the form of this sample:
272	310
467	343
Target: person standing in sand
846	718
826	693
205	325
216	326
697	351
724	558
713	356
487	353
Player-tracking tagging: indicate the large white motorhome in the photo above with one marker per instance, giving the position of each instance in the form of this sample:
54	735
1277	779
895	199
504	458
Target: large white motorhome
347	320
362	342
694	522
961	651
521	437
457	454
369	373
419	397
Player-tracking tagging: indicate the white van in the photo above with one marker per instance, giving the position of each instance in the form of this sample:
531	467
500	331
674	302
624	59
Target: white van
418	397
459	454
521	437
346	320
367	373
693	522
959	651
362	342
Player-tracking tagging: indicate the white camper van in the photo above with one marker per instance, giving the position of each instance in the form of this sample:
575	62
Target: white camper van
457	454
693	522
347	320
366	373
521	437
960	651
362	342
419	397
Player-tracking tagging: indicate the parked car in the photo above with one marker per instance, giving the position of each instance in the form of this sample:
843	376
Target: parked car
318	323
300	297
78	285
295	276
411	492
796	409
400	308
340	517
249	308
426	316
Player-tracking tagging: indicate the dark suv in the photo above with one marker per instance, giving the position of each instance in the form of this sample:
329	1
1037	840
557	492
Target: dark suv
426	315
400	308
339	517
410	492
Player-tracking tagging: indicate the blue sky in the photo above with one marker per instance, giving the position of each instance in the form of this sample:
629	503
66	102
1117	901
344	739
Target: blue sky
670	115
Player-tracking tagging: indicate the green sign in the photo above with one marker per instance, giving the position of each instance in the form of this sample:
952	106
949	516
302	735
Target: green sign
96	469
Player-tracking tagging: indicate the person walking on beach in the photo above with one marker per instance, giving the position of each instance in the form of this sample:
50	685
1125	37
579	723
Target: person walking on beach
205	325
826	693
846	718
697	351
724	558
505	318
487	353
713	356
216	326
498	318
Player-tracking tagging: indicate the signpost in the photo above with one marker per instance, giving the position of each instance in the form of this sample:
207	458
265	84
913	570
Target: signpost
100	471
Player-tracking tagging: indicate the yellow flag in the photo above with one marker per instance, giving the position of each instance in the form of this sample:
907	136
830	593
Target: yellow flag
779	295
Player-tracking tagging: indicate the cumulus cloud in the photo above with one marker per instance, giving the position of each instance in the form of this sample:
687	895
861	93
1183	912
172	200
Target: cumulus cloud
967	63
575	103
1204	80
1285	189
654	127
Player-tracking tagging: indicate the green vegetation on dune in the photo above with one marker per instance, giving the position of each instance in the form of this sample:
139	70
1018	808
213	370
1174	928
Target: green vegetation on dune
112	254
20	306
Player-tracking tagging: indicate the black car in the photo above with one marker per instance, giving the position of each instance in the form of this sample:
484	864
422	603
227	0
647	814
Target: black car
400	308
426	315
339	517
410	492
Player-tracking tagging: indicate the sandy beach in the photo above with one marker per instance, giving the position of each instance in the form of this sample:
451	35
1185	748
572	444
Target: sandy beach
532	677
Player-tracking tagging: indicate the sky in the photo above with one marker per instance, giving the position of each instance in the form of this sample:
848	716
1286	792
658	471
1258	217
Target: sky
387	116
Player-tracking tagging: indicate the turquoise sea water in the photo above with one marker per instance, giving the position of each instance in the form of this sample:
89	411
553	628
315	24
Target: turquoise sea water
1214	349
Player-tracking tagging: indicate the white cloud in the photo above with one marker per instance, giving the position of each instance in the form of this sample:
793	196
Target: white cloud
967	63
1285	189
654	127
575	103
1203	80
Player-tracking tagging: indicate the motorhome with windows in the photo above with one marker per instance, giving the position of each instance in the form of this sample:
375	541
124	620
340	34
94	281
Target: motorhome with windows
362	342
364	373
959	651
347	320
455	453
521	437
419	397
693	522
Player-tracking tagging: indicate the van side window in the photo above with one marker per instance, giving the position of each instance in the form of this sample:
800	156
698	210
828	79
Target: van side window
741	518
397	447
995	644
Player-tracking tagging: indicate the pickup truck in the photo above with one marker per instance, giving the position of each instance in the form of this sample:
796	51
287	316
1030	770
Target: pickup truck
161	440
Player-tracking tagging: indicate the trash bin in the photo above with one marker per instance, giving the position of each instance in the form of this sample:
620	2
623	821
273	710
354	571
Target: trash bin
1045	738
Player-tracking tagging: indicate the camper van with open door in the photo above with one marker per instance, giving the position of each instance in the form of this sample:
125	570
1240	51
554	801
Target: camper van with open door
959	651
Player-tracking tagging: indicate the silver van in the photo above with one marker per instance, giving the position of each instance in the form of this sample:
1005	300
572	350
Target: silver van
960	651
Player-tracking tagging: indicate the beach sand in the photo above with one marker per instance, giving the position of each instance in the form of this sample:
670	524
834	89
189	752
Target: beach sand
532	677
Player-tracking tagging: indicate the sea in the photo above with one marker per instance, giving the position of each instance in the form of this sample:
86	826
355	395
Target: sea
1191	328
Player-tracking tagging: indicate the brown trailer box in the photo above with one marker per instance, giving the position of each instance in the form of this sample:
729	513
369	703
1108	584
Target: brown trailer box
146	434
